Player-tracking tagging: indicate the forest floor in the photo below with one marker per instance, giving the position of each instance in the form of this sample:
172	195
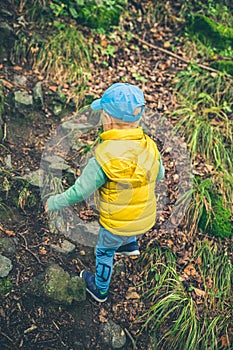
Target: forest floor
33	324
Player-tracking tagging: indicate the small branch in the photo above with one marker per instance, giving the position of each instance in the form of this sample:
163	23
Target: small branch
131	338
4	132
180	58
6	336
28	250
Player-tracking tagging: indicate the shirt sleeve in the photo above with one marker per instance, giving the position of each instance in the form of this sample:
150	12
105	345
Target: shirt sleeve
161	172
90	180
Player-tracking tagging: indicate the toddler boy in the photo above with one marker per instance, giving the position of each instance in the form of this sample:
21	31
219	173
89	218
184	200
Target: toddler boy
123	173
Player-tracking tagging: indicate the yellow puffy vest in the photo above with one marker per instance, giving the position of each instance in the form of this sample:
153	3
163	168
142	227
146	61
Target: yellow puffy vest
126	202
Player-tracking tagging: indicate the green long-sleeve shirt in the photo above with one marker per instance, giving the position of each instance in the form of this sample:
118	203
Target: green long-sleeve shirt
92	178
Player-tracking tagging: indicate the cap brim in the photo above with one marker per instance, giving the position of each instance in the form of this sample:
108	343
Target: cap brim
96	105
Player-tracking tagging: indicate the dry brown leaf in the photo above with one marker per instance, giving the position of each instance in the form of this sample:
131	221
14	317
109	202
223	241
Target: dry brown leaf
102	315
104	43
53	88
198	261
17	68
209	167
166	44
190	270
7	84
225	341
102	319
182	278
131	294
199	292
9	232
209	282
43	251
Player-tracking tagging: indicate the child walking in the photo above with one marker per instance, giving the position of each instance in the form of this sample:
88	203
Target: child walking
123	174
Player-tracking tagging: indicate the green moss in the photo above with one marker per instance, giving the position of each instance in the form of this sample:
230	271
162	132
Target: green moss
207	30
223	66
220	224
5	286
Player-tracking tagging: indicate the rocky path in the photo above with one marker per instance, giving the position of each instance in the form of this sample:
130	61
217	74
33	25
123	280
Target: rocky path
28	246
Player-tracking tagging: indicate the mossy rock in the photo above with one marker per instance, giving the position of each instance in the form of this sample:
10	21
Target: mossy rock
220	224
223	66
56	284
220	36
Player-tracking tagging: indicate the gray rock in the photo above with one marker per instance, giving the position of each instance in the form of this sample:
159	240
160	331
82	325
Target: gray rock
22	99
58	285
85	127
70	125
113	335
119	267
5	266
20	79
38	94
35	178
56	163
65	247
85	233
7	245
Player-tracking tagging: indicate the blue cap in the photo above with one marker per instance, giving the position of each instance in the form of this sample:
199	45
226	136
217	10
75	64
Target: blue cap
120	101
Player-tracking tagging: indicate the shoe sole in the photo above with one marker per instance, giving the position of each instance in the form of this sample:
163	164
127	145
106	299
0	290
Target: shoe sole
134	254
93	295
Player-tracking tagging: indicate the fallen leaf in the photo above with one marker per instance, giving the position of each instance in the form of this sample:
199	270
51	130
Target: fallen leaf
43	251
199	292
104	43
9	232
102	315
102	319
209	282
198	261
170	243
166	44
17	68
225	341
132	294
7	84
190	270
53	88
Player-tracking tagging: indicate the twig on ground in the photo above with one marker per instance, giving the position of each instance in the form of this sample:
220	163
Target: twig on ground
25	246
131	338
185	60
6	336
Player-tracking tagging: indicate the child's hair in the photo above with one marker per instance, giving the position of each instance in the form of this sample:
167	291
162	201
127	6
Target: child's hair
124	124
137	111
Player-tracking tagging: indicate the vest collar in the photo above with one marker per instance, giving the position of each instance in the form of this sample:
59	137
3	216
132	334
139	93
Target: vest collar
125	134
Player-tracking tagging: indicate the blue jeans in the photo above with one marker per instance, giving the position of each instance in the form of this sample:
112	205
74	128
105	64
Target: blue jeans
107	244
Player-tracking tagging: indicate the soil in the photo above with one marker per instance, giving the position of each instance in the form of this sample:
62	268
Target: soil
34	324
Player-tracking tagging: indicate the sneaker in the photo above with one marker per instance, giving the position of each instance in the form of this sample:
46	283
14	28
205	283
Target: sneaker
130	249
91	288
